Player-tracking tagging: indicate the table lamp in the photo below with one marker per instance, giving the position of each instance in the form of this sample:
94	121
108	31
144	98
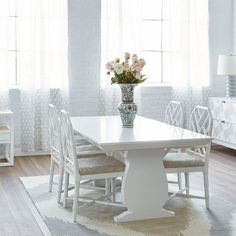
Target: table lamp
227	66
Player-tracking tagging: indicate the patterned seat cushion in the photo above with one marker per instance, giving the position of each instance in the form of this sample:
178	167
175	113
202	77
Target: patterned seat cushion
88	150
99	165
178	160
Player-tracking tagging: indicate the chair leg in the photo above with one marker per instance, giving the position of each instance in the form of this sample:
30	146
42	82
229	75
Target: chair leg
52	168
8	151
76	199
108	186
186	174
206	188
60	183
67	176
179	176
113	189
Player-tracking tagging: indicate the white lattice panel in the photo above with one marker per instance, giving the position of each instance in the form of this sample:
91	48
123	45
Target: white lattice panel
223	109
224	131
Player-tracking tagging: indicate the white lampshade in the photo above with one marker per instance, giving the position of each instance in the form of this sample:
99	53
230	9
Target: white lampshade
226	65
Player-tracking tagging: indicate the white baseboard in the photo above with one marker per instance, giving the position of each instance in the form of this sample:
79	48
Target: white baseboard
223	143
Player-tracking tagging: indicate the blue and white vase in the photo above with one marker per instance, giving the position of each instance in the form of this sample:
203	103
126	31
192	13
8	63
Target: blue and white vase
127	108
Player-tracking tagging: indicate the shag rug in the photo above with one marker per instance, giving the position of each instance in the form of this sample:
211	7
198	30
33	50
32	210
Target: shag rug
191	219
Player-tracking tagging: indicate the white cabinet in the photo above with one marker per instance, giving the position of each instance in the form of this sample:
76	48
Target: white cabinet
223	111
6	138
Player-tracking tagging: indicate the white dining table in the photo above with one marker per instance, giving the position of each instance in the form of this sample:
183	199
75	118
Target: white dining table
144	185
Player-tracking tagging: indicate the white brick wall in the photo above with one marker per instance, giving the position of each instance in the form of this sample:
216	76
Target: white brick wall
152	101
234	26
84	56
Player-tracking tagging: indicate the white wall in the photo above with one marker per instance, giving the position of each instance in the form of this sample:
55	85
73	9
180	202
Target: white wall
221	39
84	57
234	25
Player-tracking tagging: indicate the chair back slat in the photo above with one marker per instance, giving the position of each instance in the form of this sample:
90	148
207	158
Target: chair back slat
69	150
174	114
55	132
200	122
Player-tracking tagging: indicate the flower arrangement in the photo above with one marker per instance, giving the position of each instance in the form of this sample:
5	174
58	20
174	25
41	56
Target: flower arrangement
127	72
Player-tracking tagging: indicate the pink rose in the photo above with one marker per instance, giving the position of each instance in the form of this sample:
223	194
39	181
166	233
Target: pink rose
136	65
142	62
109	65
127	56
138	75
135	59
126	66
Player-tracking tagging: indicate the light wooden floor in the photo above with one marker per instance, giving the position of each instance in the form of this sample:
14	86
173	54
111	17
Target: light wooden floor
15	214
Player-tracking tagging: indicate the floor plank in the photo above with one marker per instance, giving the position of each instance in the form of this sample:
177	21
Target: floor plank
15	217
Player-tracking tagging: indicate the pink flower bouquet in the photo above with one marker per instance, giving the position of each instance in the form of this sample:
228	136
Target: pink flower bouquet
127	72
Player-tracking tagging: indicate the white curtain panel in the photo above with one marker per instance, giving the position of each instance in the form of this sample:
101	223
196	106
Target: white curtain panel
4	56
4	70
42	44
41	68
189	53
43	78
120	33
189	20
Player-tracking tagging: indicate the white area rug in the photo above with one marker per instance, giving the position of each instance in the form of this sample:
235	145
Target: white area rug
192	218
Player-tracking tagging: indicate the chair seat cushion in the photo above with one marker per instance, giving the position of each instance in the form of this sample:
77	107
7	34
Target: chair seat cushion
80	142
88	150
178	160
81	152
4	129
99	165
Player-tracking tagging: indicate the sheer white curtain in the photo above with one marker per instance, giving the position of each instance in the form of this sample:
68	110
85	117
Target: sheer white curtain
120	33
42	44
4	56
189	51
41	68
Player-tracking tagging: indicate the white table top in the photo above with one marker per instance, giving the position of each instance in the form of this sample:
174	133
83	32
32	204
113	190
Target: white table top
107	133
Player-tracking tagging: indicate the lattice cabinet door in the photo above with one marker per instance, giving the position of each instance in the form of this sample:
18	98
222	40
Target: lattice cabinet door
223	111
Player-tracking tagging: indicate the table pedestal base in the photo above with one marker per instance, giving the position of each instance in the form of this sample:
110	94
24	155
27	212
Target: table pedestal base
131	216
144	187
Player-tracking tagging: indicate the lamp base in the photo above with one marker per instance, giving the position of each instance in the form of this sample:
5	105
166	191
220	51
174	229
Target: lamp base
230	86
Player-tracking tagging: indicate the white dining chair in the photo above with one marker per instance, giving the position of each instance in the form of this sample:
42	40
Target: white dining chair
194	159
174	116
98	167
57	151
